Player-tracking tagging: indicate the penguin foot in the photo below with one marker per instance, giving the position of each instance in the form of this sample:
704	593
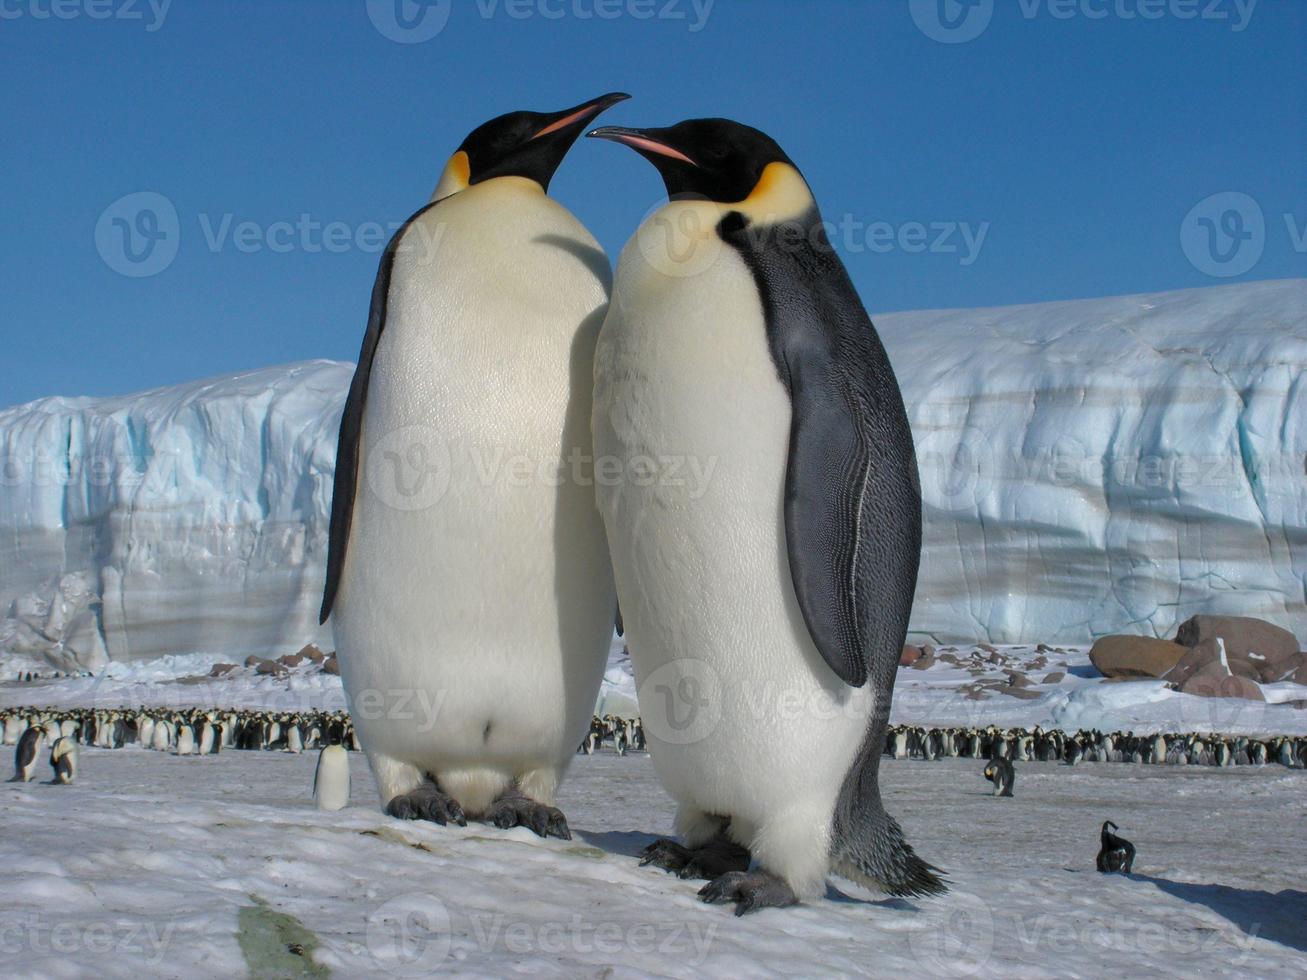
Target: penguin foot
749	890
521	811
427	803
714	859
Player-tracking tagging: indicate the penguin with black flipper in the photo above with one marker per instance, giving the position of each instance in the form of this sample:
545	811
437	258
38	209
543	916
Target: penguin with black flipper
1115	854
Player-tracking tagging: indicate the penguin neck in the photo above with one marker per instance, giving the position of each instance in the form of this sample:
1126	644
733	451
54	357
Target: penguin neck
781	195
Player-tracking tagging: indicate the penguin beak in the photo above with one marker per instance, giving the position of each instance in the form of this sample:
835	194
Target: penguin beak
641	140
579	116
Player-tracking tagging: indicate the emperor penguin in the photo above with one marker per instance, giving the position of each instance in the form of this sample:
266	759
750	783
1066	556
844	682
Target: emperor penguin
331	778
765	607
481	595
29	747
63	760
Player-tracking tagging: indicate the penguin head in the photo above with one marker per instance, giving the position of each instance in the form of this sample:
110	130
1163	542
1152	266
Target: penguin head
519	144
723	161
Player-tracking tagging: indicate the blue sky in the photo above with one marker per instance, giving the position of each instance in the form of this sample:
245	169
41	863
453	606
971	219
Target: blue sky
1007	151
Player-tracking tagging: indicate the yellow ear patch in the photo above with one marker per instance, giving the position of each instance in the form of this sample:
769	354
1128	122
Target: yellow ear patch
456	177
781	194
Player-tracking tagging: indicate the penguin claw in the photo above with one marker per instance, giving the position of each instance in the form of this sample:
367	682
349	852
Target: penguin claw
666	854
749	890
520	811
715	858
427	803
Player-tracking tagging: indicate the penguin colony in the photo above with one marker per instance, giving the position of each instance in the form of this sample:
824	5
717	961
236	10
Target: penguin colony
243	729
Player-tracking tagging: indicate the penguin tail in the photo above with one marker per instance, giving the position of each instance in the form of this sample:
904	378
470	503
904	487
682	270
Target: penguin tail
881	859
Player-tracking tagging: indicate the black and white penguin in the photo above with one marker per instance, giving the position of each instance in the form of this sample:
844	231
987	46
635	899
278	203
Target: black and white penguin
29	749
489	599
63	760
1114	853
1002	774
735	336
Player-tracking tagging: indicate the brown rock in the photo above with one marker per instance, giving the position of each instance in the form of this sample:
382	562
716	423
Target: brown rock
949	658
1283	670
1242	635
1043	648
253	661
1025	694
331	666
923	663
1017	679
292	660
222	670
988	648
1222	687
909	656
1299	676
1055	677
927	650
1134	656
310	652
266	668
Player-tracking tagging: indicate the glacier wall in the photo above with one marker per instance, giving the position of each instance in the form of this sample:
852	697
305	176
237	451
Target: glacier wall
185	519
1087	467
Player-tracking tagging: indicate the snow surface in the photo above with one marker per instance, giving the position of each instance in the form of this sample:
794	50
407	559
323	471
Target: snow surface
211	866
1097	466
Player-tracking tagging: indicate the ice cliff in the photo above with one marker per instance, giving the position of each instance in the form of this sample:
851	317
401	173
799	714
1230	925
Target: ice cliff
1087	467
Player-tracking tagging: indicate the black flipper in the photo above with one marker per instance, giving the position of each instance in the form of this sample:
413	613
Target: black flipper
351	422
852	510
852	497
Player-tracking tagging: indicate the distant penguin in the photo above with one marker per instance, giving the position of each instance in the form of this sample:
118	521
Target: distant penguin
735	335
15	725
25	756
1114	853
185	740
63	760
331	779
1001	773
479	343
294	740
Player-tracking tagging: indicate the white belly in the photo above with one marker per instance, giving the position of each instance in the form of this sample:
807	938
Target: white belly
742	715
332	782
476	599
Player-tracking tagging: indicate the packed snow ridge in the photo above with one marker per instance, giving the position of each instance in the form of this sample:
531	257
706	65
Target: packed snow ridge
1088	467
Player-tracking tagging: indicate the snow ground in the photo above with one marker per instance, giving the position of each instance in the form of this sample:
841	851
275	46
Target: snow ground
157	865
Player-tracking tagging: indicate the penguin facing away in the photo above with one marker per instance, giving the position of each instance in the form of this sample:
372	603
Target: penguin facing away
735	335
331	780
477	356
63	760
